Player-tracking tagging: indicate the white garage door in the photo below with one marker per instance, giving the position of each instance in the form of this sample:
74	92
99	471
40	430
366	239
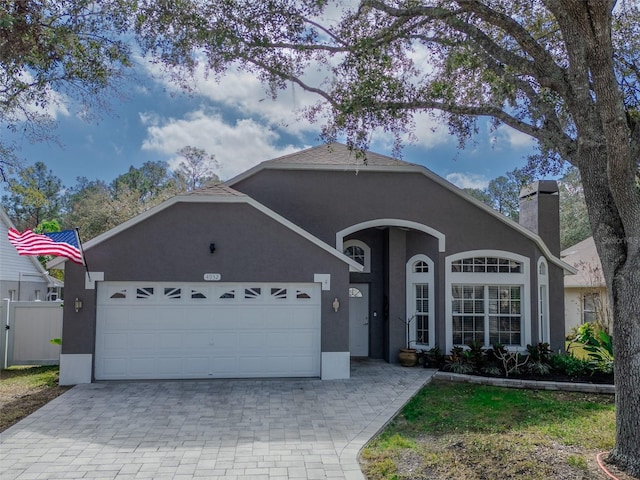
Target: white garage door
148	330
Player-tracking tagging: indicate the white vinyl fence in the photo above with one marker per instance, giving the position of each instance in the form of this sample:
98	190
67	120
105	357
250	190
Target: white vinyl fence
27	328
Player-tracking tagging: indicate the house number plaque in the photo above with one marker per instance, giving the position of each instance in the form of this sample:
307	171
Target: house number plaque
212	277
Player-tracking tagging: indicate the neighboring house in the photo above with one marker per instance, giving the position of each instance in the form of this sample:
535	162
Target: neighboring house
304	261
23	278
585	292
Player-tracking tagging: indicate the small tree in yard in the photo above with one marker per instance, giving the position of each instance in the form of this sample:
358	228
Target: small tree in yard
565	72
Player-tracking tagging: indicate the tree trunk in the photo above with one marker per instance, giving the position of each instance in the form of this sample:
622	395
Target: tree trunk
625	295
618	254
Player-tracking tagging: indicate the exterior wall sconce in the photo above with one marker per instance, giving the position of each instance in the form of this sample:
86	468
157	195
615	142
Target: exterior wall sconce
336	305
77	304
212	248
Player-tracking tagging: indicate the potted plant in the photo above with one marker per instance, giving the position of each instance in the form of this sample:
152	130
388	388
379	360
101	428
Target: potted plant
408	357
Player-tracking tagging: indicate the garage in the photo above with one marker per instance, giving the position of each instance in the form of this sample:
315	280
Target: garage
171	330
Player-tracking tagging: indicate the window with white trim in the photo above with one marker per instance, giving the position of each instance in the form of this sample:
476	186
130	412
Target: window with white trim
543	301
589	307
420	296
360	252
486	299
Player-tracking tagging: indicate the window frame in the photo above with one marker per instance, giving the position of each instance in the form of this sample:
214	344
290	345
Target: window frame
420	278
486	280
366	254
595	298
544	326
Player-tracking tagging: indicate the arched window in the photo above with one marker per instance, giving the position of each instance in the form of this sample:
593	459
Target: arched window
360	252
488	299
420	301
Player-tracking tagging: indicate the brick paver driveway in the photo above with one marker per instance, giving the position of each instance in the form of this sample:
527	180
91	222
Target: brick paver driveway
299	428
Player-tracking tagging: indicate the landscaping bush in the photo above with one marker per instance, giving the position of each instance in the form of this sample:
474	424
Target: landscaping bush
538	363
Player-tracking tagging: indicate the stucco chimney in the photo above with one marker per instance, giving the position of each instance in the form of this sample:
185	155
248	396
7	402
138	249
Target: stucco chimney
540	212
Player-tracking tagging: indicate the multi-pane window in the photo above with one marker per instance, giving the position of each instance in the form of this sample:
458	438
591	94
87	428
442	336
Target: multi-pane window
419	270
421	267
468	314
589	307
488	314
505	317
422	312
360	252
486	265
356	253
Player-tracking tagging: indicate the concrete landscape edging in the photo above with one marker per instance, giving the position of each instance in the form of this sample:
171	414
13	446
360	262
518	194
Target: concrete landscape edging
528	384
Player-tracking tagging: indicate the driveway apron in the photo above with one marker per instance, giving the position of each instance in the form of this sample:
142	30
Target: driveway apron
280	428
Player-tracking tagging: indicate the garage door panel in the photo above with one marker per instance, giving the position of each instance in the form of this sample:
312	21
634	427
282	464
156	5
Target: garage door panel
155	330
226	366
193	367
113	367
141	341
185	341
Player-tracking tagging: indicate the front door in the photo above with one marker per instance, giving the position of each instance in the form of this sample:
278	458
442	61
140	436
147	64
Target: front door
359	319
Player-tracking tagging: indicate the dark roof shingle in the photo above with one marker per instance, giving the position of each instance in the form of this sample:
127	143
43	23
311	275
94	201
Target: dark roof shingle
219	189
336	154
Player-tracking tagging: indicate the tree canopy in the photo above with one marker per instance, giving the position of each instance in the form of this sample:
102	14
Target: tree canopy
34	195
54	51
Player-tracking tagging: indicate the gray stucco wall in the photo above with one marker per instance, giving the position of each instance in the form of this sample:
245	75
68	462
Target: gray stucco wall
173	245
327	201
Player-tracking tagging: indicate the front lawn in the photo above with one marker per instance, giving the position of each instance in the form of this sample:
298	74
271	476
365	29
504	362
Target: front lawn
462	431
23	390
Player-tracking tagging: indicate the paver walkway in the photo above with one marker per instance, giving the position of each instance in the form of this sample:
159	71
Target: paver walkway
299	428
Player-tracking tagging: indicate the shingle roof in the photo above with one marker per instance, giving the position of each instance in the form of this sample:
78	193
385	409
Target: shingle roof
337	154
219	189
584	257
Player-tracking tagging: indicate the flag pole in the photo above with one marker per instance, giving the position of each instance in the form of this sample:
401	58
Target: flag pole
84	259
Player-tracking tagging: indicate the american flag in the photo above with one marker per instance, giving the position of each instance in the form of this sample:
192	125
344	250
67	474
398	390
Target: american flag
59	244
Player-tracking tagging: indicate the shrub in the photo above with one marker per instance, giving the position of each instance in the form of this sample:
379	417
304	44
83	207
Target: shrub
459	361
571	366
598	345
539	356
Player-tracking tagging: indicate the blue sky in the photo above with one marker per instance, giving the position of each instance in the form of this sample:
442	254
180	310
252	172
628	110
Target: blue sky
235	120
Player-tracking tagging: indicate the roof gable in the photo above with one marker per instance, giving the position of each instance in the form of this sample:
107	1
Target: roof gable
213	194
336	156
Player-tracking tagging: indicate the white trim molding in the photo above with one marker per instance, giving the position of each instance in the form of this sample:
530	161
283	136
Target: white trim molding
544	327
366	249
417	278
335	365
389	222
91	278
75	368
324	279
523	279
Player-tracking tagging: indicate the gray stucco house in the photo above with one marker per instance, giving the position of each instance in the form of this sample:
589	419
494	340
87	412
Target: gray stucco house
301	262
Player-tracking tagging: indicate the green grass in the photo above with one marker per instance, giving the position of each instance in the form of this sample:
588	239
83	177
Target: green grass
25	389
452	430
29	377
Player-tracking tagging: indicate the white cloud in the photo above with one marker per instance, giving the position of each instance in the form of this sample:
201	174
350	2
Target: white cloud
512	138
467	180
243	92
237	147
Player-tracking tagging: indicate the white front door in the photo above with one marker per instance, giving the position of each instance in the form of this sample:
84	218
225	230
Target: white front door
359	319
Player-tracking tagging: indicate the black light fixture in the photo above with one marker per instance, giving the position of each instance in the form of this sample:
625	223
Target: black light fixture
212	247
